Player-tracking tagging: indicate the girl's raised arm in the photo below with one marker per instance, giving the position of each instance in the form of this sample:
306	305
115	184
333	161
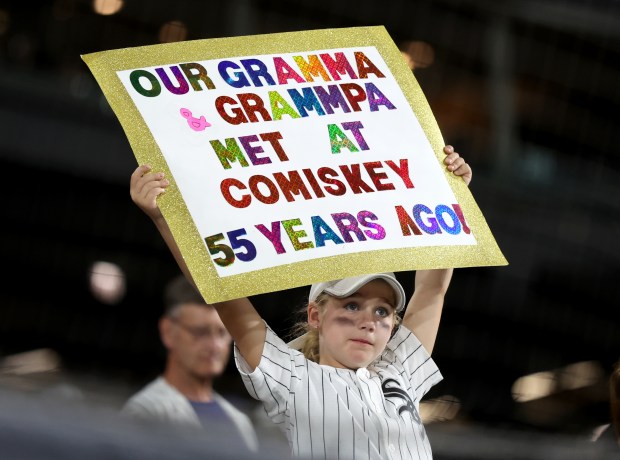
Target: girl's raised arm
243	322
424	309
423	312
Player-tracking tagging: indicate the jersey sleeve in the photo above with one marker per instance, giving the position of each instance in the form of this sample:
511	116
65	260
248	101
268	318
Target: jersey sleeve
416	365
272	380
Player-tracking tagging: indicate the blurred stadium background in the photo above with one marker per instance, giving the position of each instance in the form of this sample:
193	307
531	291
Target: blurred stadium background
527	90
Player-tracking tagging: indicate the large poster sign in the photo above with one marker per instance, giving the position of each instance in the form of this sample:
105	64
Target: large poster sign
294	157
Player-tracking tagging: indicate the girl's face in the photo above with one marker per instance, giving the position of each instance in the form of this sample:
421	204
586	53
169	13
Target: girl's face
354	330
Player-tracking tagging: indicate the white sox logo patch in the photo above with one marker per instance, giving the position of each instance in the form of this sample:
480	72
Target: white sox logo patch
391	389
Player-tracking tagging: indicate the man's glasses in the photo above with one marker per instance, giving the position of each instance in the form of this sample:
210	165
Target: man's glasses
198	333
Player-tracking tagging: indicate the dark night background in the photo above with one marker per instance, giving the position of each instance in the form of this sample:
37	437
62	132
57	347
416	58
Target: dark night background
528	91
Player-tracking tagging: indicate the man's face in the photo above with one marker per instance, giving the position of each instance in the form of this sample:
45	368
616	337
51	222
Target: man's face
197	340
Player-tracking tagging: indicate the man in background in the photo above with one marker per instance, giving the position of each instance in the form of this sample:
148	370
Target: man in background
198	349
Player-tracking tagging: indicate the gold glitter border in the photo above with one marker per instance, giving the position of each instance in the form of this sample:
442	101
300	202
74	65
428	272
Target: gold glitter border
104	66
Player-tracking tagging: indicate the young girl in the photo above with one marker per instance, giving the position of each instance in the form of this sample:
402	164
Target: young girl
355	388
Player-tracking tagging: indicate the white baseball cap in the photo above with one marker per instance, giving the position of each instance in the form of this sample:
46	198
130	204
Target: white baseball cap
349	286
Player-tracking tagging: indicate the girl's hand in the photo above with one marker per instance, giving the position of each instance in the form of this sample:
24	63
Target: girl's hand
145	187
457	164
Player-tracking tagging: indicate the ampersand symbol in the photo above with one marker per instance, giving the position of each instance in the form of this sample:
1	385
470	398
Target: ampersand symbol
197	124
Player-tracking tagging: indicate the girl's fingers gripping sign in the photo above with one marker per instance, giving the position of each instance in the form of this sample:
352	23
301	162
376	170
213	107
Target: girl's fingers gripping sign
457	165
145	187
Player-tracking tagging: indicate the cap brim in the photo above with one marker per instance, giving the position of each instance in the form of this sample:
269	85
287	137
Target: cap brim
349	286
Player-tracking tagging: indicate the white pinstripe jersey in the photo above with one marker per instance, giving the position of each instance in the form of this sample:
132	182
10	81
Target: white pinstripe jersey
325	412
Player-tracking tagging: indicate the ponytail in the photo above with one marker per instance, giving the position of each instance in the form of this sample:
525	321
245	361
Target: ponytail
310	335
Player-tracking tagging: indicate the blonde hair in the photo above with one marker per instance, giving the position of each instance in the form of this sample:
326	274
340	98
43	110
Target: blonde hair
310	341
